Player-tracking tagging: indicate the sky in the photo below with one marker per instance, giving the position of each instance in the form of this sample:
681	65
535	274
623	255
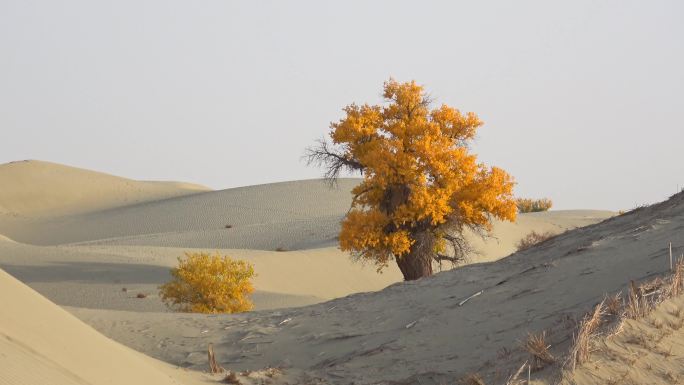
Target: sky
582	100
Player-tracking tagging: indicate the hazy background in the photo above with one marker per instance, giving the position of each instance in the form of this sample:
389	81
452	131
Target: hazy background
582	100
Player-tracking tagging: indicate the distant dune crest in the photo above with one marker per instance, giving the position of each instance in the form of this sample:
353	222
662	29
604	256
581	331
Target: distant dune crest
38	188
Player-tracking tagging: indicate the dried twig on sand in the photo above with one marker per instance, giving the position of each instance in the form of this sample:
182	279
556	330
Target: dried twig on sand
581	347
213	366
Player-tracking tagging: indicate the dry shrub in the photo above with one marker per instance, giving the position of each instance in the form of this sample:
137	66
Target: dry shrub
204	283
643	298
537	346
141	295
640	301
588	328
635	306
532	239
281	249
614	305
526	205
677	280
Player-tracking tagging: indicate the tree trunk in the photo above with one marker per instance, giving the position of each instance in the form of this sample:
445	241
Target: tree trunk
417	263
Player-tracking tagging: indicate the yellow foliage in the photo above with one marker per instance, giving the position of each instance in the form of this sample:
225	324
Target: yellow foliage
418	174
204	283
526	205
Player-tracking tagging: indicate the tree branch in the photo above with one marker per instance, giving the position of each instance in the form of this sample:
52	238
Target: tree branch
335	162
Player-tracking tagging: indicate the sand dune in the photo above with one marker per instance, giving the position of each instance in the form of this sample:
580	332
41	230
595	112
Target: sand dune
95	276
5	239
88	258
291	215
353	325
421	331
286	210
41	343
37	188
645	351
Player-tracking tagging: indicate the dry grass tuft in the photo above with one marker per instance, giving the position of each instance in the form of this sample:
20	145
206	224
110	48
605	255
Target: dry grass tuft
532	239
537	346
588	328
677	280
272	372
637	305
280	249
214	367
232	379
141	295
473	379
673	378
676	312
614	305
657	323
640	302
514	379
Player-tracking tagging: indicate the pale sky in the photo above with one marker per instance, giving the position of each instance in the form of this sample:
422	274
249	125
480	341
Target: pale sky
582	100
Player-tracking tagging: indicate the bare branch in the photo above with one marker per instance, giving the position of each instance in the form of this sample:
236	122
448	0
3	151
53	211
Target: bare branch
446	258
334	161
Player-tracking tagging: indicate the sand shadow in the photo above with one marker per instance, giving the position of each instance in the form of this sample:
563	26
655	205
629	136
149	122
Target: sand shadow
90	272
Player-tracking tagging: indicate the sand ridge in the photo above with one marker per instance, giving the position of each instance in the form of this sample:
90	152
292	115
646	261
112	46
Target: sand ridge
38	188
40	343
320	316
422	331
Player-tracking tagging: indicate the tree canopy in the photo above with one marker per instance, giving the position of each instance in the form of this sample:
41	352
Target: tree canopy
422	187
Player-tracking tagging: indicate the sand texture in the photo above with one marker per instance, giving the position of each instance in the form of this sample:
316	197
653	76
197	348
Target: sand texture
421	332
32	187
40	343
320	317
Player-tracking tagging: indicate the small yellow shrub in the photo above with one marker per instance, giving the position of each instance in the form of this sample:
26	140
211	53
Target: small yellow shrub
204	283
532	239
526	205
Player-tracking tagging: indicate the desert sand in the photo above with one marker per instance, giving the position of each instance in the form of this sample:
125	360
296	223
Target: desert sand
86	258
320	317
40	188
41	343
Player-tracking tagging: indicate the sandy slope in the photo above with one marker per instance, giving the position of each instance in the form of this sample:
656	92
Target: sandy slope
37	188
645	351
417	331
104	250
262	217
40	343
93	275
83	256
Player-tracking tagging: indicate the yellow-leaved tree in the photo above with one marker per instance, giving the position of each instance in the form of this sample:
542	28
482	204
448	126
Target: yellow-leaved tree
204	283
421	187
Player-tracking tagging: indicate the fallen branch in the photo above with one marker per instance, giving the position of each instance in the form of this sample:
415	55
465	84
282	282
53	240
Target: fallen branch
471	297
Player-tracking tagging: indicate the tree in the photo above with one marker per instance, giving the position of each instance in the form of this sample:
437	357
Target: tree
421	187
204	283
